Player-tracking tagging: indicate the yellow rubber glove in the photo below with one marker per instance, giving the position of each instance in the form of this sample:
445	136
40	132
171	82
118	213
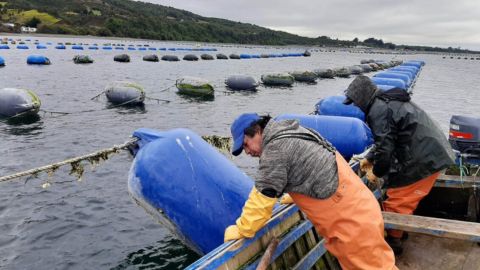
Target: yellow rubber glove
365	165
286	199
256	212
232	233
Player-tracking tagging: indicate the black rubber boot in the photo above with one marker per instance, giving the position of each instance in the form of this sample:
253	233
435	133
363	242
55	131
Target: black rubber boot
395	244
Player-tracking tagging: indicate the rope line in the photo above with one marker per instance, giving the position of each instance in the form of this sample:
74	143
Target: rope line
221	143
75	160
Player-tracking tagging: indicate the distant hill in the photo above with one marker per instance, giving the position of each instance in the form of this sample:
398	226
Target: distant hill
125	18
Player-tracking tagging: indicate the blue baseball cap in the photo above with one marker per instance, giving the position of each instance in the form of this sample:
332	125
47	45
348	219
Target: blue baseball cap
238	128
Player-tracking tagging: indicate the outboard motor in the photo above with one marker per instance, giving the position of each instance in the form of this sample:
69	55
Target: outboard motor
464	136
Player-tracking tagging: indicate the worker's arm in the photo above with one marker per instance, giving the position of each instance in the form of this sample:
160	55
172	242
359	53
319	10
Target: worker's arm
270	183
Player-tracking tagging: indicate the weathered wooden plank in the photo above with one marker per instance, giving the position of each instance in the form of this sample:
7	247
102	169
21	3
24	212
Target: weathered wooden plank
311	242
308	261
456	229
286	242
455	181
285	216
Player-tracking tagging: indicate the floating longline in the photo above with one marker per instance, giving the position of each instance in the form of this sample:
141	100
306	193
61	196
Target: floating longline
223	144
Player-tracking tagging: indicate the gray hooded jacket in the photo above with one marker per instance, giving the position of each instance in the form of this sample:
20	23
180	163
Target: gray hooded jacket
296	159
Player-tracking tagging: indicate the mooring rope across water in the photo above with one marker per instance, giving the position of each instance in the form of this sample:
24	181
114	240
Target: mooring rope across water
221	143
73	161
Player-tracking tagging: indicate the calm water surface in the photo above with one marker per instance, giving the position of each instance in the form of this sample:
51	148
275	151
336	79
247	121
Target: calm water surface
94	223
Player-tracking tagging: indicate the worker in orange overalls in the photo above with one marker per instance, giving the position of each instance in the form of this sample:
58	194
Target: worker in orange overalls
409	152
300	162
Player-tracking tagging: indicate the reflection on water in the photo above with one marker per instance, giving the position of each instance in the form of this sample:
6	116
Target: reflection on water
24	125
196	99
165	254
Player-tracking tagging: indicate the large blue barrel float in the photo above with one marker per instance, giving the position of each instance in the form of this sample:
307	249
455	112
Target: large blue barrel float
410	70
417	64
4	47
16	101
41	46
387	81
22	47
348	134
188	185
60	47
393	75
35	59
77	47
2	62
333	106
410	74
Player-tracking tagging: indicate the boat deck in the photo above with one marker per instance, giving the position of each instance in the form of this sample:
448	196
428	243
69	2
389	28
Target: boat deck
425	252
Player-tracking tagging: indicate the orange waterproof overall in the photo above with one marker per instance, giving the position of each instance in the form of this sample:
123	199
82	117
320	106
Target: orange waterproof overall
404	200
351	222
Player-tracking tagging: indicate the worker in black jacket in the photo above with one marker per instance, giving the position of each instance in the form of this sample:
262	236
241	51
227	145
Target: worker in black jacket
409	152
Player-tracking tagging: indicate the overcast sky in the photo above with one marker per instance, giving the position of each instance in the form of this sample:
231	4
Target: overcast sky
441	23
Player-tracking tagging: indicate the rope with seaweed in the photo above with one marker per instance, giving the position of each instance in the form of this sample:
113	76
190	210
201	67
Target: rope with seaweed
221	143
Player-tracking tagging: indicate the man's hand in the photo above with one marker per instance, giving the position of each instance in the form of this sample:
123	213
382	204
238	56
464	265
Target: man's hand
372	178
286	199
232	233
365	165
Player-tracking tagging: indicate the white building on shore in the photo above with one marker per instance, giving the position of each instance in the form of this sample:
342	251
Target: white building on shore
26	29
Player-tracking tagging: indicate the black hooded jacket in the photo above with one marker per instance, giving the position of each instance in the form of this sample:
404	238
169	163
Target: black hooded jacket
409	145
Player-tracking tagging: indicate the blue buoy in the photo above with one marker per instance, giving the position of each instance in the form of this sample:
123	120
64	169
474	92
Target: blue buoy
41	46
413	73
333	106
245	56
416	64
349	135
4	47
94	48
77	47
187	184
22	47
394	75
35	59
60	47
387	81
2	62
131	49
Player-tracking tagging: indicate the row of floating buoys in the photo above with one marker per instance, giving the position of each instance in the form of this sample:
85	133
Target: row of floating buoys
18	102
389	79
460	57
172	58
